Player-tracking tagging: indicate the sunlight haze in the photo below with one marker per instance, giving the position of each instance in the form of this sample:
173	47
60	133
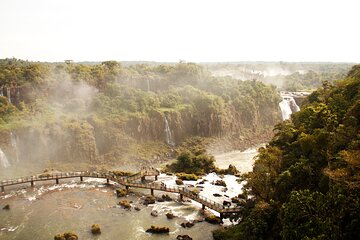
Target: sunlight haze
163	30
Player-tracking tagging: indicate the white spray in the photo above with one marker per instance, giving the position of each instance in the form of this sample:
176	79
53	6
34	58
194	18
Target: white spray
3	160
288	106
168	134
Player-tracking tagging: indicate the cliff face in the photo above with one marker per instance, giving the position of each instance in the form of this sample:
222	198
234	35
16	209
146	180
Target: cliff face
72	142
185	123
97	140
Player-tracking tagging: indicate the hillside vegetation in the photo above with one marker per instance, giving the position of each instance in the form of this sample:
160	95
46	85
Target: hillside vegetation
305	183
106	112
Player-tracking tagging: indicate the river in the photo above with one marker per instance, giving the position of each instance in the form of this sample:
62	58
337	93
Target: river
45	210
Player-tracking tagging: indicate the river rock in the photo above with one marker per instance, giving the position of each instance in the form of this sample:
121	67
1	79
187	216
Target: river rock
6	207
170	215
202	181
183	237
149	200
179	182
159	199
220	183
217	195
154	213
187	224
213	219
66	236
125	204
166	197
158	230
137	208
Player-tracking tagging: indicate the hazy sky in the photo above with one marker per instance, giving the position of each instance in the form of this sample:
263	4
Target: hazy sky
169	30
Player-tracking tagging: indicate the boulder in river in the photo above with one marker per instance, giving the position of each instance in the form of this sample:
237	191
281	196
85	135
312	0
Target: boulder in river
95	229
149	200
179	182
170	215
6	207
226	203
66	236
154	213
183	237
158	230
125	204
187	224
213	219
220	183
166	197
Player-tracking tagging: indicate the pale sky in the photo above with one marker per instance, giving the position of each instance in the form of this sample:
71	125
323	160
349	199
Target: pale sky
191	30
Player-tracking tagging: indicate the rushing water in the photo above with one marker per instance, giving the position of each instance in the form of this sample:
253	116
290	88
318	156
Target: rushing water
4	162
14	145
168	134
288	105
45	210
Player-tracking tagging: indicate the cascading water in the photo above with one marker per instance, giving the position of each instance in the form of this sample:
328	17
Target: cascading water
168	134
288	106
148	85
14	145
3	160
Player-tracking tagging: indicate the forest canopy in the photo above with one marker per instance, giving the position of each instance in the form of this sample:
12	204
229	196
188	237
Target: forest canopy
305	183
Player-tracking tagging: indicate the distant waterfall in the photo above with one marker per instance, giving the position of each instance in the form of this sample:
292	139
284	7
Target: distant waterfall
3	160
288	106
168	134
148	85
13	142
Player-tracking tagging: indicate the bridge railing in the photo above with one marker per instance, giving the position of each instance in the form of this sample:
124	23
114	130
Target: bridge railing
127	181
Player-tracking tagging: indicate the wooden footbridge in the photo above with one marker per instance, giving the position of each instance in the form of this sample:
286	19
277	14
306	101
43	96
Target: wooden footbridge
135	181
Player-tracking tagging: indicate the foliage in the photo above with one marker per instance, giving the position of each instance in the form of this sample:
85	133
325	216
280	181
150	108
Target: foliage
213	219
187	177
125	204
66	236
231	170
121	173
121	192
95	229
305	183
197	163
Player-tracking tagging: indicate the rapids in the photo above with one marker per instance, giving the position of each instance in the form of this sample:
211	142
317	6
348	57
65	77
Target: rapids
47	209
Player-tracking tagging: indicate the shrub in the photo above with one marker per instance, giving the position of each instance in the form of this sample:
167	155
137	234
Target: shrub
120	192
149	200
187	177
125	204
95	229
66	236
213	219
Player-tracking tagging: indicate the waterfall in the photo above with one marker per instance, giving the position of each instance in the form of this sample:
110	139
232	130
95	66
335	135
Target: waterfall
168	134
293	105
148	85
13	142
288	106
3	160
